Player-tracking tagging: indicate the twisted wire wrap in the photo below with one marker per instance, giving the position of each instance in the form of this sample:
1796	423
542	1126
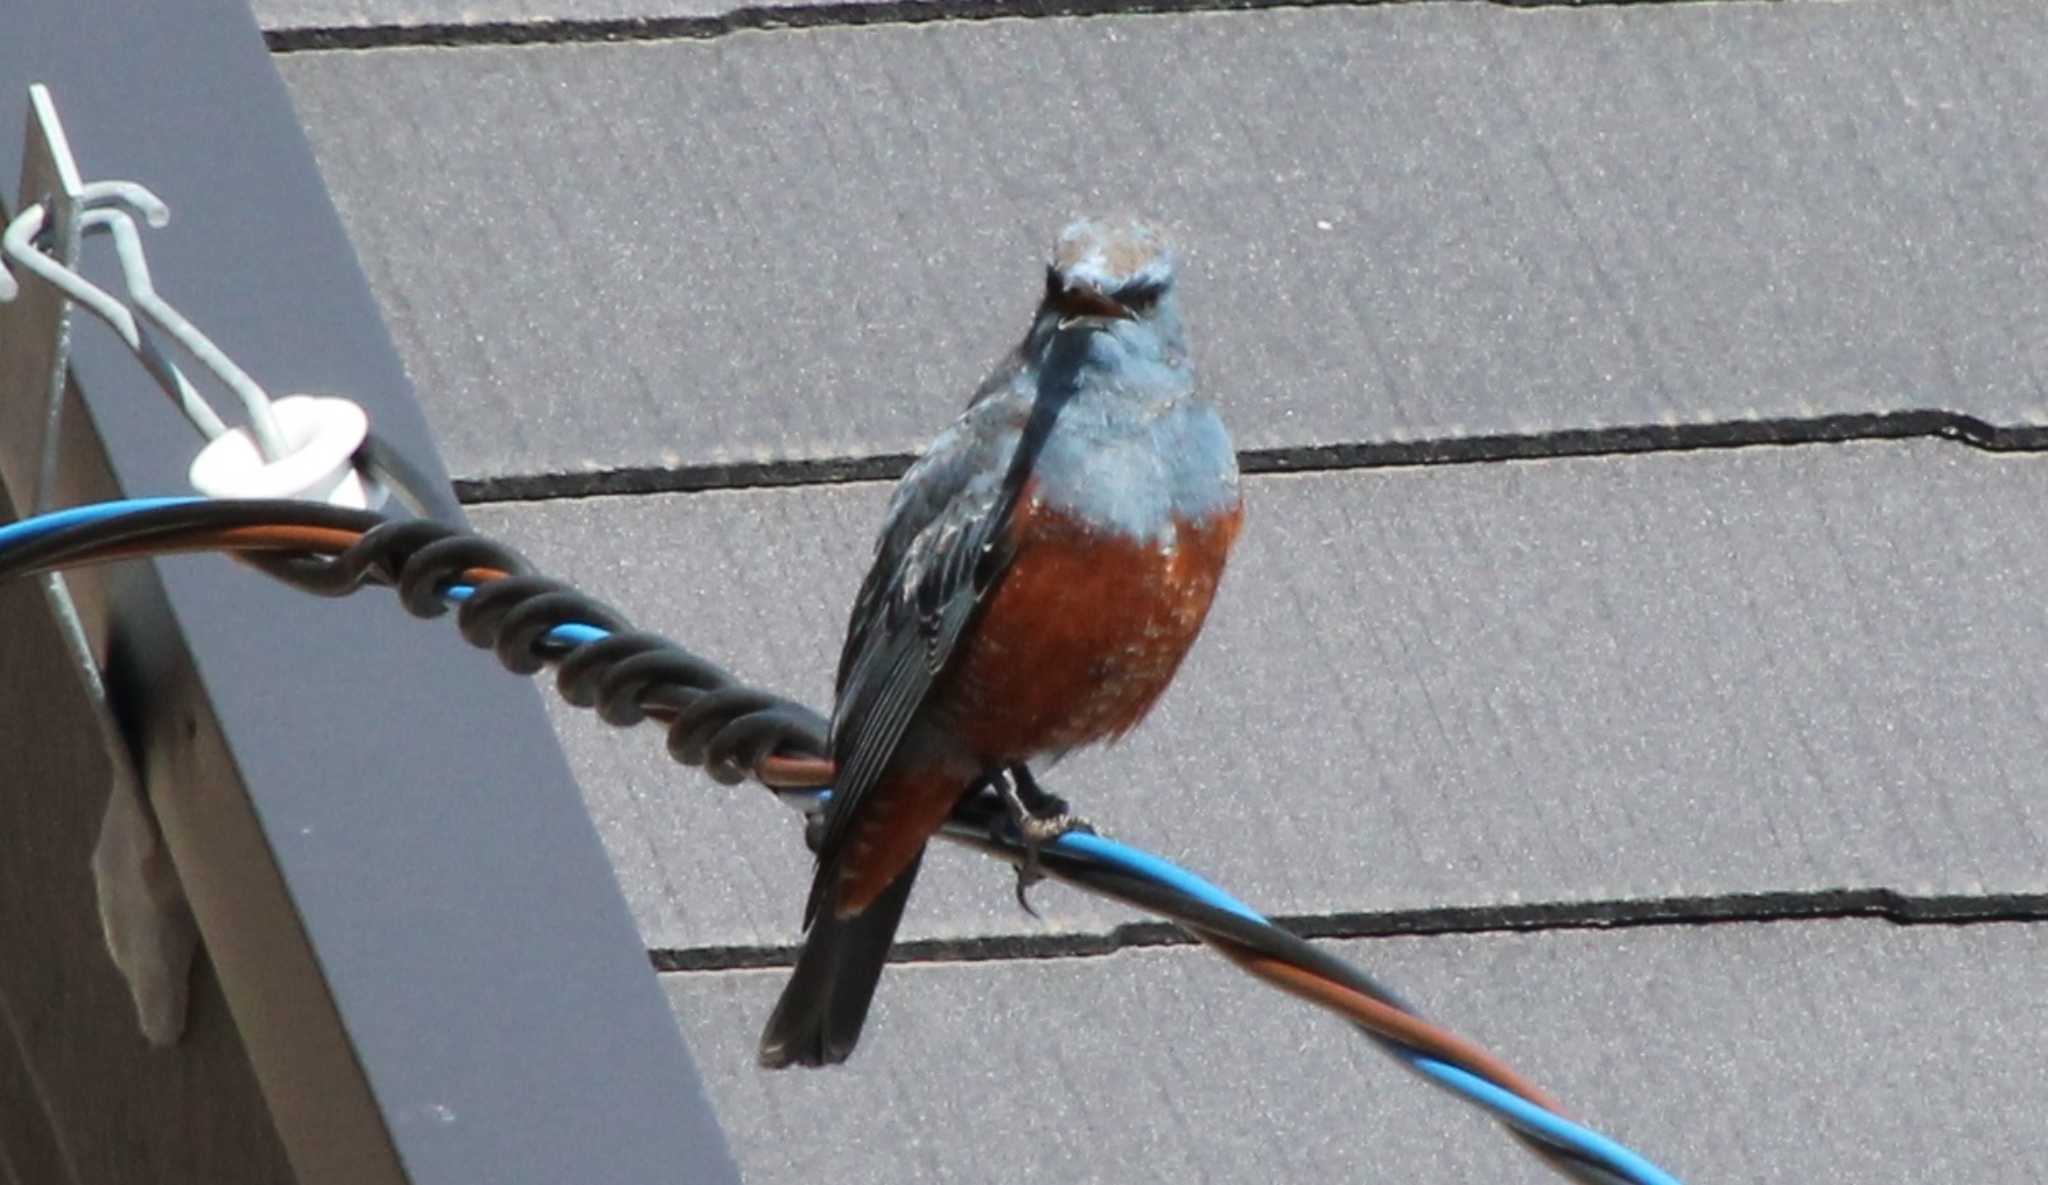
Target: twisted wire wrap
713	721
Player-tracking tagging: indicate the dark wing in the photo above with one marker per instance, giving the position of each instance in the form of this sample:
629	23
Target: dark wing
940	552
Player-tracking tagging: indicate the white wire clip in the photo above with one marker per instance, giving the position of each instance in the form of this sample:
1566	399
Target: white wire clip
321	434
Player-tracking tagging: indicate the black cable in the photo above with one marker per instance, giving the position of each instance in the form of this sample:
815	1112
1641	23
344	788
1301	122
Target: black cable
982	821
984	814
431	499
714	721
158	524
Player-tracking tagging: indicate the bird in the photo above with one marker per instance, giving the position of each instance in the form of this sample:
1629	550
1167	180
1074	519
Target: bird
1042	570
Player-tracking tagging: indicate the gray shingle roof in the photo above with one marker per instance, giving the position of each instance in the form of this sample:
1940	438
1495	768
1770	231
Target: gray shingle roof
1831	1051
1594	680
1684	687
1404	223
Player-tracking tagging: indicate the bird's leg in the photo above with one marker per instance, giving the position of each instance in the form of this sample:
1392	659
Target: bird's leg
1039	817
1033	801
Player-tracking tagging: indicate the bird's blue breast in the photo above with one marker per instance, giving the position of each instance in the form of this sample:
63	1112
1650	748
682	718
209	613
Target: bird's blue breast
1136	466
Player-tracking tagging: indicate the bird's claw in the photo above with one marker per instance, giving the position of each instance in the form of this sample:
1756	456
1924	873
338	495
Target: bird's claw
1036	834
1039	818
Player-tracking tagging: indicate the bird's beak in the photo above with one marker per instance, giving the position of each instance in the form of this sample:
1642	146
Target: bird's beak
1083	304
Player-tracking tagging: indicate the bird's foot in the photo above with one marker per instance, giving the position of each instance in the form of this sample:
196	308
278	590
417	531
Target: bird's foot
1040	818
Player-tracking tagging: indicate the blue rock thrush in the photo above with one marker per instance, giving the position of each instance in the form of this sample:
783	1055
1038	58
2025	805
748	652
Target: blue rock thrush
1043	569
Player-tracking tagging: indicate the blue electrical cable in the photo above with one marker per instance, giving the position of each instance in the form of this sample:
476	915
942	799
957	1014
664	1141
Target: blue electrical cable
1139	863
1510	1106
14	534
1588	1145
1550	1126
567	636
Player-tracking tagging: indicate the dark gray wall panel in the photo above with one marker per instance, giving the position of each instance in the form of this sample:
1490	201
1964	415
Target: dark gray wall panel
1408	221
1767	1054
1693	674
413	921
84	1100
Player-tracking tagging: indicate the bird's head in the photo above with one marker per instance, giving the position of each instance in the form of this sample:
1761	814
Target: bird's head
1114	277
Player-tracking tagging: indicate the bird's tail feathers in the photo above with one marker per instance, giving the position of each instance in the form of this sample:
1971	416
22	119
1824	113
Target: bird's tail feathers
818	1019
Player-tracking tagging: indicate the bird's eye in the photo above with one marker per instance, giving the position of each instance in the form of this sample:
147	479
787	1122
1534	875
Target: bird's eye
1139	298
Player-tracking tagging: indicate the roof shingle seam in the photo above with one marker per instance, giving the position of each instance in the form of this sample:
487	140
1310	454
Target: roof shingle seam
1822	905
824	14
1577	443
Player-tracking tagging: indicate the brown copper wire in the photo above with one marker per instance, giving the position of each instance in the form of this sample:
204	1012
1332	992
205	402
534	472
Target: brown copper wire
267	537
795	773
1384	1019
325	540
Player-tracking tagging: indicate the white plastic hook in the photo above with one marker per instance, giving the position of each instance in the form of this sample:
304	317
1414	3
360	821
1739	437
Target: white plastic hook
320	436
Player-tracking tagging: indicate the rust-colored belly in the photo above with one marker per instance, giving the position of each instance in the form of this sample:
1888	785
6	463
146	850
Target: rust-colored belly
1083	634
1076	644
